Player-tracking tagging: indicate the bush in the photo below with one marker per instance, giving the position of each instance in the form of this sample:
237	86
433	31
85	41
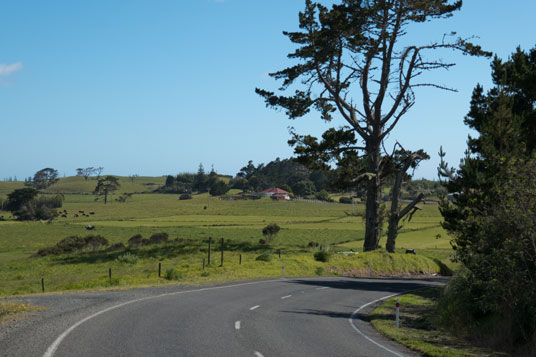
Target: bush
205	274
172	274
319	271
322	256
158	238
95	242
323	196
265	256
135	240
185	196
71	244
312	244
116	246
127	258
344	199
270	231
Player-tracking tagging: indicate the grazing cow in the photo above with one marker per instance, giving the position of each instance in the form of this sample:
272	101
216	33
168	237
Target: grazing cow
91	212
75	215
410	251
89	227
80	211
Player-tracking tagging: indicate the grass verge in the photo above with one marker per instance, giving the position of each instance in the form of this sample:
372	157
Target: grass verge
13	311
418	329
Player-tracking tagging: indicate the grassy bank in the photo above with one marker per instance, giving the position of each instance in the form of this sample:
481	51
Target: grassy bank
419	329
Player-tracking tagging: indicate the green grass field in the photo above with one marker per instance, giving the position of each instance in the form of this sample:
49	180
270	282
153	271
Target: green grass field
239	222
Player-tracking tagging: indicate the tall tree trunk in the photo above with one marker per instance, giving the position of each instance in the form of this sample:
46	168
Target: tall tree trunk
394	217
105	196
374	195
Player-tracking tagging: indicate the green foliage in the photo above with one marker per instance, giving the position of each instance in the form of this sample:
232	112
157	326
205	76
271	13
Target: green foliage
26	206
304	188
218	188
106	185
158	238
127	258
135	240
322	256
345	199
323	196
491	215
270	231
173	274
319	271
74	244
266	256
43	179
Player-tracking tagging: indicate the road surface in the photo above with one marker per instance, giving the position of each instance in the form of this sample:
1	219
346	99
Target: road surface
284	317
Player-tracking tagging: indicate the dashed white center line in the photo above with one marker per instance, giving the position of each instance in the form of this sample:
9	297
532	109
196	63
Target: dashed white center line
255	307
258	354
237	325
285	297
325	287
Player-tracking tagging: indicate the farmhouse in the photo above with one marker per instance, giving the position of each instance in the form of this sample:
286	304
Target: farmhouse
275	193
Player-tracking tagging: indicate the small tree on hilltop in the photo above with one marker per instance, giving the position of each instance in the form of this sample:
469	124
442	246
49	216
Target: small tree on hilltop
270	231
43	179
106	185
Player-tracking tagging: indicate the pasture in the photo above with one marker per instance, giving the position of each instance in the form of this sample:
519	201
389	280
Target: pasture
191	223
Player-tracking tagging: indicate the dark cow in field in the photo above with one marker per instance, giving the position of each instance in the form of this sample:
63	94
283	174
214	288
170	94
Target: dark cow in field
410	251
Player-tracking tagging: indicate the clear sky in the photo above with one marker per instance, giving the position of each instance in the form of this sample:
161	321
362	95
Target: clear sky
157	87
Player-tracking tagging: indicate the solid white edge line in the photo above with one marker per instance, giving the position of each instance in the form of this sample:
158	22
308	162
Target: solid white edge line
286	297
237	325
352	317
258	354
255	307
54	346
322	288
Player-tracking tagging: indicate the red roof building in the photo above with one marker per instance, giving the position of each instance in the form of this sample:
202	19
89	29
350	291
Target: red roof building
276	193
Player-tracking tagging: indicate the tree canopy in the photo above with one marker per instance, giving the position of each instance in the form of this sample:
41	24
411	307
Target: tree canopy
492	214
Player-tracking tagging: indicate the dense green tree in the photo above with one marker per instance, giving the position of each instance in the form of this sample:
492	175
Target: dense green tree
25	205
43	179
106	185
357	47
218	188
492	212
304	188
200	180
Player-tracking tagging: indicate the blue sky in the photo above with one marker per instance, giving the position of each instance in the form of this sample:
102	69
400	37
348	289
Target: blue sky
156	87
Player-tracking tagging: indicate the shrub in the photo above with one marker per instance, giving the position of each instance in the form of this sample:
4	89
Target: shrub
185	196
95	242
116	246
127	258
344	199
319	271
71	244
265	256
262	241
172	274
135	240
323	196
205	274
312	244
158	238
322	256
270	231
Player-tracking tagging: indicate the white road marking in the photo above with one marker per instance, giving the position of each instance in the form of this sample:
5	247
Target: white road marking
285	297
255	307
325	287
351	319
258	354
54	346
237	325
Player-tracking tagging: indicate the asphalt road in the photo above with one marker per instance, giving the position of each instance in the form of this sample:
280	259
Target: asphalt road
285	317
